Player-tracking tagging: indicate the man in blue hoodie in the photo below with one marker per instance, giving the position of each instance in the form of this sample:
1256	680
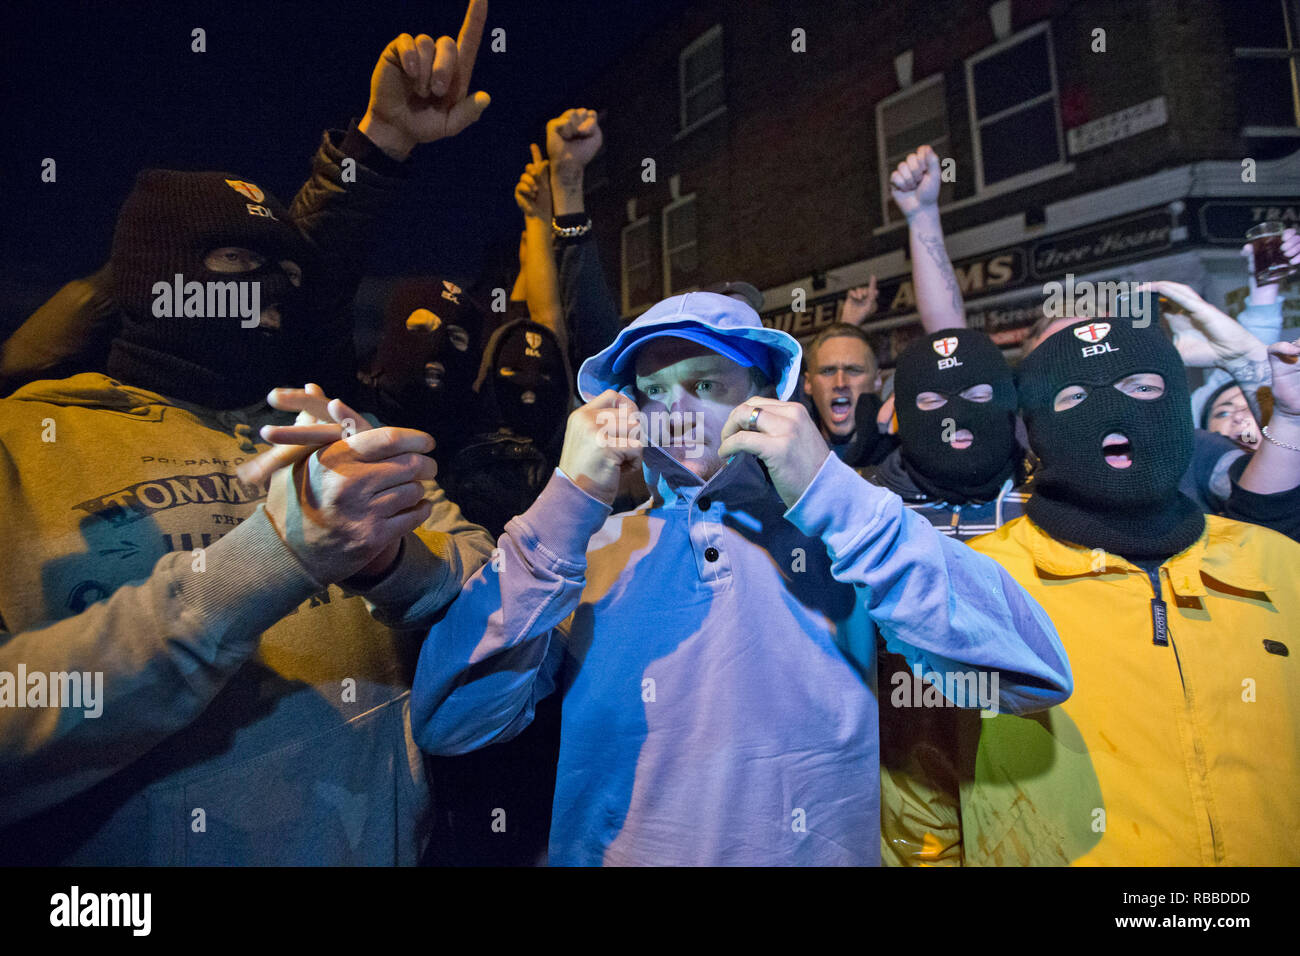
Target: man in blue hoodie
715	648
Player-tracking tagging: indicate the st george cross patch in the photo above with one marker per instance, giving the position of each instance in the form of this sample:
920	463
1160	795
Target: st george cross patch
1092	332
246	189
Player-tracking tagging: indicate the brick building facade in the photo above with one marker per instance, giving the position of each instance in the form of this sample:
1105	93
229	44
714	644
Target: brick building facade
1105	139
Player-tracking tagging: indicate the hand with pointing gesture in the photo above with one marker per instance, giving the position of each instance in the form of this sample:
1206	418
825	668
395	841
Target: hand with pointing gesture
419	91
533	194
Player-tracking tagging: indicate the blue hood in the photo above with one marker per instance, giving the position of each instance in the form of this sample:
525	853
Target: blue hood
718	315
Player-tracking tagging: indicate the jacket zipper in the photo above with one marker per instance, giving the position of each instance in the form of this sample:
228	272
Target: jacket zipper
1160	636
1159	616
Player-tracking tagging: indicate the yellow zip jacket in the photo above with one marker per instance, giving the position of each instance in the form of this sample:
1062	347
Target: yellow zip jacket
1185	753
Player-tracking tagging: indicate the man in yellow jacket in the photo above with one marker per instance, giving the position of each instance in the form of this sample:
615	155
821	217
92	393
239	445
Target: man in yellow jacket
1181	743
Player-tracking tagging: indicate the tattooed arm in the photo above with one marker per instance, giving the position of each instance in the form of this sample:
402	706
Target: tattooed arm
1205	336
914	186
938	296
1252	375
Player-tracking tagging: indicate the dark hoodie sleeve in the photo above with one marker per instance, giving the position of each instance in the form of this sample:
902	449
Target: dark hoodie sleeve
590	315
1279	511
338	212
1205	480
68	334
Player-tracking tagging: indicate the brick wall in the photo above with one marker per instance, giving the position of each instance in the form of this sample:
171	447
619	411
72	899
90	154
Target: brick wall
787	179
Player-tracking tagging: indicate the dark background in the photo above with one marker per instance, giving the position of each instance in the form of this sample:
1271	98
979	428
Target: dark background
108	89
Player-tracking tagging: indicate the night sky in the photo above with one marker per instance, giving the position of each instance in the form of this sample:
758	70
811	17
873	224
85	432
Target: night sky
108	89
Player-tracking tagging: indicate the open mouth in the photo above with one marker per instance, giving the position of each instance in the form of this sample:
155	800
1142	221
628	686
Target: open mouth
1117	450
961	438
841	409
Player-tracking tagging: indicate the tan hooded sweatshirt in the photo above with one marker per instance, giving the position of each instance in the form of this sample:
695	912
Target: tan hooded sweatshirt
244	712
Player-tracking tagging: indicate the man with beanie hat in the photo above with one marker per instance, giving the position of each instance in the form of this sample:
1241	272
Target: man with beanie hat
1181	743
231	674
958	462
184	243
714	647
422	372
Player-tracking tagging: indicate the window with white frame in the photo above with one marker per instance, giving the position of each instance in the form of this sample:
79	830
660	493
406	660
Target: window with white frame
1015	119
906	120
681	258
702	89
1265	38
638	270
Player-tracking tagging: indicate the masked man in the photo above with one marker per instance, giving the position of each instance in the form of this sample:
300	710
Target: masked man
958	462
1181	743
188	674
715	648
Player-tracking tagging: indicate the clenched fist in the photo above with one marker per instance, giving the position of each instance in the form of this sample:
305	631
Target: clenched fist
603	439
860	303
572	139
915	183
783	436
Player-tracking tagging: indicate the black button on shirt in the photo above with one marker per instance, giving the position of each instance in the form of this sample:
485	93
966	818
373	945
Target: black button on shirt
711	554
705	502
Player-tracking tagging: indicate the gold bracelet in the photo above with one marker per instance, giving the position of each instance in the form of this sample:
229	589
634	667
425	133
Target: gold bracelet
1280	444
570	232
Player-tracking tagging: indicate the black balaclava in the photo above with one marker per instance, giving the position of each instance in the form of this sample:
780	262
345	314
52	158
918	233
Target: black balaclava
528	382
949	362
423	371
167	226
1136	512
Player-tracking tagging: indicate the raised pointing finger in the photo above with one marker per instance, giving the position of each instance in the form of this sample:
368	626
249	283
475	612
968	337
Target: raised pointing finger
471	33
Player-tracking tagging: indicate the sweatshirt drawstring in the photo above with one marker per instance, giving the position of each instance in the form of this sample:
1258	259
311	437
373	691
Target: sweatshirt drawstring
997	510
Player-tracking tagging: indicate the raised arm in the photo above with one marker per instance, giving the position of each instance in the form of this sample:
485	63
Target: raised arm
419	93
541	281
1206	336
572	140
915	188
